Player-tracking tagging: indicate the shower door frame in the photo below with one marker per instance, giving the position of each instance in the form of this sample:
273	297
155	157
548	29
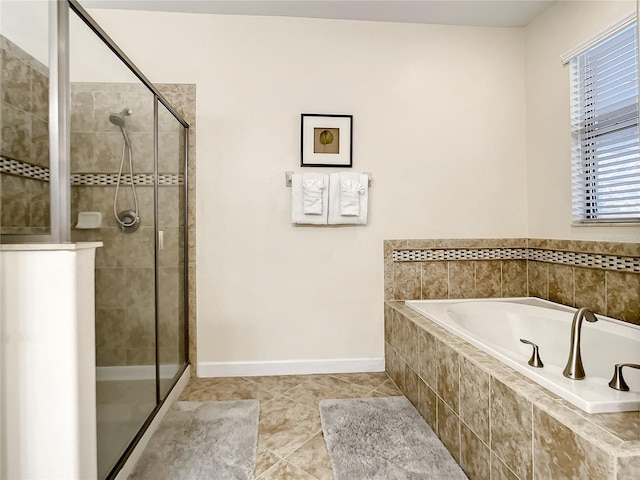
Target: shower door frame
60	174
60	128
59	133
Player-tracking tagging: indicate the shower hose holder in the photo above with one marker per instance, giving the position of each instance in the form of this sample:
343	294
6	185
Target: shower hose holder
129	221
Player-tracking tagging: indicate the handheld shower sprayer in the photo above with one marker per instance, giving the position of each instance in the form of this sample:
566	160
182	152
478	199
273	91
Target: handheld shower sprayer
128	220
118	118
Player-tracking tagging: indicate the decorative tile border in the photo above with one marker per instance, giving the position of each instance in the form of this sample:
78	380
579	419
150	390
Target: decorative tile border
460	254
35	172
588	260
111	179
23	169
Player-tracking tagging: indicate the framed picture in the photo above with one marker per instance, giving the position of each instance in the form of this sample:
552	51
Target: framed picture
326	140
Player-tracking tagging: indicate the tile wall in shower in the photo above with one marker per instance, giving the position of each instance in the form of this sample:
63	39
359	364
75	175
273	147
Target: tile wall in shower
183	99
125	330
24	149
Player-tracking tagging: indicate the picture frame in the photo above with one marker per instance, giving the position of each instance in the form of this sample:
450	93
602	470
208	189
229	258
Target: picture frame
326	140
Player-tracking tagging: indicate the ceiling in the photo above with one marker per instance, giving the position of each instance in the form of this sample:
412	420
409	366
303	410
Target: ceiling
489	13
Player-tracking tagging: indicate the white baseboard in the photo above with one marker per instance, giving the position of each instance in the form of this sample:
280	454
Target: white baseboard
128	467
290	367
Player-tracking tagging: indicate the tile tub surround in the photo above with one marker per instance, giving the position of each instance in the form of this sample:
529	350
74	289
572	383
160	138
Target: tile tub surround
496	423
604	276
124	324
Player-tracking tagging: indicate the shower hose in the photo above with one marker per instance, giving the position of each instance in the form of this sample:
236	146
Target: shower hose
126	152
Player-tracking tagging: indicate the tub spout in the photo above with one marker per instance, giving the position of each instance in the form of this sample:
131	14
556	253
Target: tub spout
574	369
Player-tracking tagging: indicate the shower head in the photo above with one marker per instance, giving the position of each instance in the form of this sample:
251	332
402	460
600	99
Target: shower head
118	118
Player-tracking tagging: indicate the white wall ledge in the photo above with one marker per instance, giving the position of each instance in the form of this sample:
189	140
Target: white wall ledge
48	247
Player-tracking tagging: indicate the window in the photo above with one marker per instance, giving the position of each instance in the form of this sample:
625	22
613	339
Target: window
604	125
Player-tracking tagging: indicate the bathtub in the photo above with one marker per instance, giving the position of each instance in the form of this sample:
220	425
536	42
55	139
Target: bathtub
497	325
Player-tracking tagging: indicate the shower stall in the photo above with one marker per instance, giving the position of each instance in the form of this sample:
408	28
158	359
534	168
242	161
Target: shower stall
92	151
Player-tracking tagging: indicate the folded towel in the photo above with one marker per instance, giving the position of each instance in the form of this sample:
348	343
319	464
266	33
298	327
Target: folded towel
350	191
298	215
312	188
335	199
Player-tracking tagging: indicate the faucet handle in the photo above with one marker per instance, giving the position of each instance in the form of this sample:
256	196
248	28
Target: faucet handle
617	382
534	361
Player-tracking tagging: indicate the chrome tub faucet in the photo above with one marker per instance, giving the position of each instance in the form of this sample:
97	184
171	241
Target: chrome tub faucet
574	369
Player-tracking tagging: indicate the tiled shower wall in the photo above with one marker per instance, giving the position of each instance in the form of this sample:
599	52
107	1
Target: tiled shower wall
125	264
24	149
603	276
183	99
124	267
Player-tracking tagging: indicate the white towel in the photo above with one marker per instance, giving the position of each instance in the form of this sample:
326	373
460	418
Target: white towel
350	191
335	199
312	188
297	203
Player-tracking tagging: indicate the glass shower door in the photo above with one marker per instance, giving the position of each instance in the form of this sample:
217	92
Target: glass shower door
171	246
112	183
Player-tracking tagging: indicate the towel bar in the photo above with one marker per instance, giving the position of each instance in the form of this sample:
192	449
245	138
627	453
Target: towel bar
287	178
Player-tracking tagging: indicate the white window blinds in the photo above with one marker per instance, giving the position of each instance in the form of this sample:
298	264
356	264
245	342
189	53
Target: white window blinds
606	150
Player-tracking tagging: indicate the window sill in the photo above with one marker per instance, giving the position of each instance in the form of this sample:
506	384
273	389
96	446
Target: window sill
606	224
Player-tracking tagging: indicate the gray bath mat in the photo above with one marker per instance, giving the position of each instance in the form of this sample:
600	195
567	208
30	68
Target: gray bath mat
203	440
383	439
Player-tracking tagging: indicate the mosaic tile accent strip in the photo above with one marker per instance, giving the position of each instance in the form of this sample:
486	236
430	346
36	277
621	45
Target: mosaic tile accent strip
576	259
111	179
460	254
589	260
23	169
35	172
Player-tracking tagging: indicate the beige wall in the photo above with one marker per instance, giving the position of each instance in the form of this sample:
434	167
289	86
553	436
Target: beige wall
563	27
435	109
465	131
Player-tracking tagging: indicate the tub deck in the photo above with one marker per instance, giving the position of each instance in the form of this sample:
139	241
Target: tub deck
494	421
500	326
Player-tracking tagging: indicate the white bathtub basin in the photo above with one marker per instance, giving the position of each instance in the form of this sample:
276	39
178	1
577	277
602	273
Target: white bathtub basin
497	325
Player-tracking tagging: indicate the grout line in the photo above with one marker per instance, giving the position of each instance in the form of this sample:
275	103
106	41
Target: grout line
299	403
606	294
526	279
286	457
489	413
533	442
393	281
279	457
421	280
263	474
573	280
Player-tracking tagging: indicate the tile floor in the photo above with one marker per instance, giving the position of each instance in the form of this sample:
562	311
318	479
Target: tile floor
290	443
